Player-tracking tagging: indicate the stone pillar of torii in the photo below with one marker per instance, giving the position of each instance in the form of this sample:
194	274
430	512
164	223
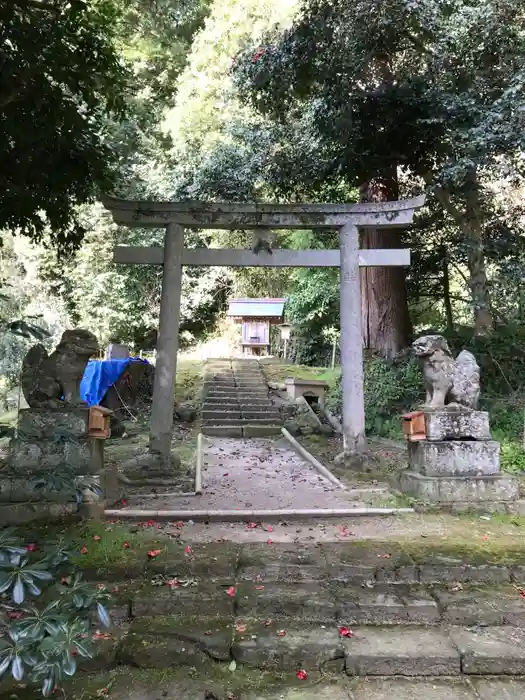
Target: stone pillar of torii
174	217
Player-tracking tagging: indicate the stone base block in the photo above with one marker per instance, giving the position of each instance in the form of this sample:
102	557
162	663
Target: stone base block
450	489
454	457
459	424
46	423
79	456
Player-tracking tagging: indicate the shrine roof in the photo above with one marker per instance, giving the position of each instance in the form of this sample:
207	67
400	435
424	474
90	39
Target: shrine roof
256	307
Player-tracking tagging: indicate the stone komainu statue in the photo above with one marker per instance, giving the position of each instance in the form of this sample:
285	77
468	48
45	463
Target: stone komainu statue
447	381
50	381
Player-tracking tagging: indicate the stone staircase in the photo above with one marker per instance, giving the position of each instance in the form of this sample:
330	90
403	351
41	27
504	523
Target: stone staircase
236	402
349	609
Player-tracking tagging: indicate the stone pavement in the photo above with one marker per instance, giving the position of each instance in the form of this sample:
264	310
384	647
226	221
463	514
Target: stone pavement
259	473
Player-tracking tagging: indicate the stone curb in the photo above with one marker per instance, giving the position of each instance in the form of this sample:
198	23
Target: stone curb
312	460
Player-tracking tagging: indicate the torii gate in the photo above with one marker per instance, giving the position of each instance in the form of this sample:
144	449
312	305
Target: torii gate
347	218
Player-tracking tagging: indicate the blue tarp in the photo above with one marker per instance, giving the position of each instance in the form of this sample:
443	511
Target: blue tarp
99	375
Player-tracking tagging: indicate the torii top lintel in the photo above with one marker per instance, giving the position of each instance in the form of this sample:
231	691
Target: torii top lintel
215	215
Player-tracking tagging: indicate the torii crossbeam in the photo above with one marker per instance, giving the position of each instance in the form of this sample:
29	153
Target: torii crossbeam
347	218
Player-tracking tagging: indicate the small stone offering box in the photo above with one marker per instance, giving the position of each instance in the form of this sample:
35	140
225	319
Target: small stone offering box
309	388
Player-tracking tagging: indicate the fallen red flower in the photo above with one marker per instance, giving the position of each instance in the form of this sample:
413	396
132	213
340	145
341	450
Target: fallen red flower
251	526
301	675
154	553
97	538
31	547
179	523
269	528
172	583
345	632
15	615
231	591
269	542
84	550
281	633
188	550
126	545
124	502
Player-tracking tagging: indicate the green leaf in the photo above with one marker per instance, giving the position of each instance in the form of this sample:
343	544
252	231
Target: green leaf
103	615
18	591
70	666
47	687
17	668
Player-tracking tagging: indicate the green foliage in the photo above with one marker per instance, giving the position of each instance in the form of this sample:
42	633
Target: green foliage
62	79
49	610
390	389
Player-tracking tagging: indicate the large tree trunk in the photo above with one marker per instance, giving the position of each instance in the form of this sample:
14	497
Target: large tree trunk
385	319
479	289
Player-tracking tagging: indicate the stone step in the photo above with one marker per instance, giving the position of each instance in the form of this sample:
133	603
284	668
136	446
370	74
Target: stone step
241	430
249	415
186	641
218	415
242	397
222	420
311	602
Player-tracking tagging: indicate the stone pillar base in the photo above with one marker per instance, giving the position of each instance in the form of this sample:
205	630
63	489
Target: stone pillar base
54	447
447	490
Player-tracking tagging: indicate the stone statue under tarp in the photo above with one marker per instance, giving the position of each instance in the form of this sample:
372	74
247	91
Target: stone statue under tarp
54	441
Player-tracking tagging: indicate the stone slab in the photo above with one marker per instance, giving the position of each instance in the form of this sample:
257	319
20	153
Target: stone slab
305	647
48	423
222	431
311	602
286	564
491	650
384	606
499	688
449	489
185	601
208	414
355	563
457	425
481	606
400	651
414	689
43	456
454	457
260	430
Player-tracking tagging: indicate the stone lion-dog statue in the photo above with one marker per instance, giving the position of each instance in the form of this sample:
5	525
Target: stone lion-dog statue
51	381
448	382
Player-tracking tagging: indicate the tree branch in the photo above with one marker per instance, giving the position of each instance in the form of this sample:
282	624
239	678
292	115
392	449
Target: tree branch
444	199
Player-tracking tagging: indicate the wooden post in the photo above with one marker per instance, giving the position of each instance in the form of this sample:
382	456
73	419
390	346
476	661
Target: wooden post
167	343
351	343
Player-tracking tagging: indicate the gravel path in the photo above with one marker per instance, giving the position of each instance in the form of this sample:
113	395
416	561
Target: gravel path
258	473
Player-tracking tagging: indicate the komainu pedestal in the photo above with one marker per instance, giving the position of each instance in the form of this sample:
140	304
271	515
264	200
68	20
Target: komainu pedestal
452	459
52	457
457	463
